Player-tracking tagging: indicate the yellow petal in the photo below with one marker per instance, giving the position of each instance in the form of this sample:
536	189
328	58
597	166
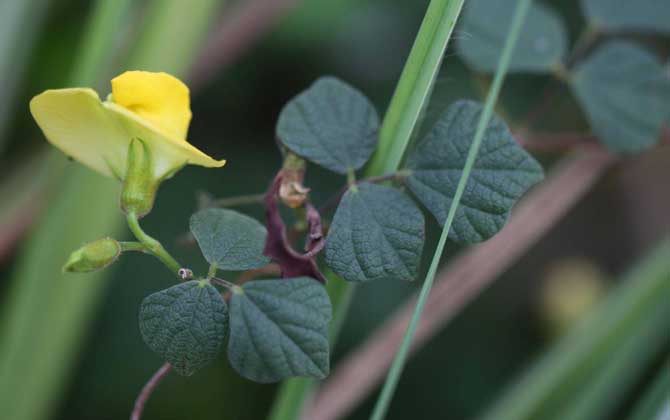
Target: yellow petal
75	121
167	153
159	98
97	134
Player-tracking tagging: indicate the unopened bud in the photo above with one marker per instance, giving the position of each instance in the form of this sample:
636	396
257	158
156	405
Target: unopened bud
292	192
93	256
139	186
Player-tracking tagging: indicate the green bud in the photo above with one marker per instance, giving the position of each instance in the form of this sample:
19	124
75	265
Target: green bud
139	186
93	256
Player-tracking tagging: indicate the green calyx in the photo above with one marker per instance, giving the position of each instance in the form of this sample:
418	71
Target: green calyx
139	185
93	256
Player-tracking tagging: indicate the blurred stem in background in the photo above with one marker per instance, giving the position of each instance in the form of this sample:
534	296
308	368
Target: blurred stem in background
588	373
46	313
407	104
20	22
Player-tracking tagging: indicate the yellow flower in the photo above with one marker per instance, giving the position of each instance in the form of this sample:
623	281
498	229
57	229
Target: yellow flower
151	107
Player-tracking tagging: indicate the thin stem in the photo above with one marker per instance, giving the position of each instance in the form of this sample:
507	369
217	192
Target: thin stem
133	246
152	245
212	271
334	200
401	357
224	283
240	200
556	142
148	389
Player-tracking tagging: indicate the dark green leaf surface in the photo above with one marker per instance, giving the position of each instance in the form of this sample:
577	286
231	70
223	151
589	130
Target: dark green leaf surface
502	173
279	329
485	24
631	15
229	239
626	96
185	324
331	124
377	234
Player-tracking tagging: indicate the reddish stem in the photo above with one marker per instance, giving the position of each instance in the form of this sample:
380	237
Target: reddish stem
148	390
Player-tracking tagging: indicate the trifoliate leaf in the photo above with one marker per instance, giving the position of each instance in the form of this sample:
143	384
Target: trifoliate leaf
185	324
229	239
279	329
486	23
626	95
377	233
331	124
502	173
638	15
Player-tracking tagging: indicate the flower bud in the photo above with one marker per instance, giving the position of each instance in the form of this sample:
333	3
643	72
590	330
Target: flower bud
292	192
93	256
139	186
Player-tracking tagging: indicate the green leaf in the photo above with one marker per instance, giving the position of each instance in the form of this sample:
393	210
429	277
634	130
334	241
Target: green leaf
541	46
638	15
279	329
626	96
377	233
331	124
229	239
185	324
502	173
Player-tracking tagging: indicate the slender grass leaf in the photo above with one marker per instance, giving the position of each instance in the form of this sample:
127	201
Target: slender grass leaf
186	324
655	402
400	359
279	329
542	45
638	15
587	360
331	124
626	95
502	173
377	234
229	239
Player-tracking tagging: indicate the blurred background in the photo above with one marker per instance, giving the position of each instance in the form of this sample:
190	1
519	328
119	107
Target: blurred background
70	345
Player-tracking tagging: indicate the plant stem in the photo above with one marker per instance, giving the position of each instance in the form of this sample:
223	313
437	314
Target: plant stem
148	389
239	200
152	245
334	200
212	270
133	246
401	357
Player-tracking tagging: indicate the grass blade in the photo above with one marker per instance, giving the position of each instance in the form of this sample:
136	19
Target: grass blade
656	400
623	334
401	357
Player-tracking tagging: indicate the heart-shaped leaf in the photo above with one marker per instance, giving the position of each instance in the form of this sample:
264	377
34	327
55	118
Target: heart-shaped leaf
185	324
638	15
486	23
279	329
502	173
626	95
229	239
377	233
331	124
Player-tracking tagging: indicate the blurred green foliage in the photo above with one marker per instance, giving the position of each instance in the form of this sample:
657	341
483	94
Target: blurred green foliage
461	371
